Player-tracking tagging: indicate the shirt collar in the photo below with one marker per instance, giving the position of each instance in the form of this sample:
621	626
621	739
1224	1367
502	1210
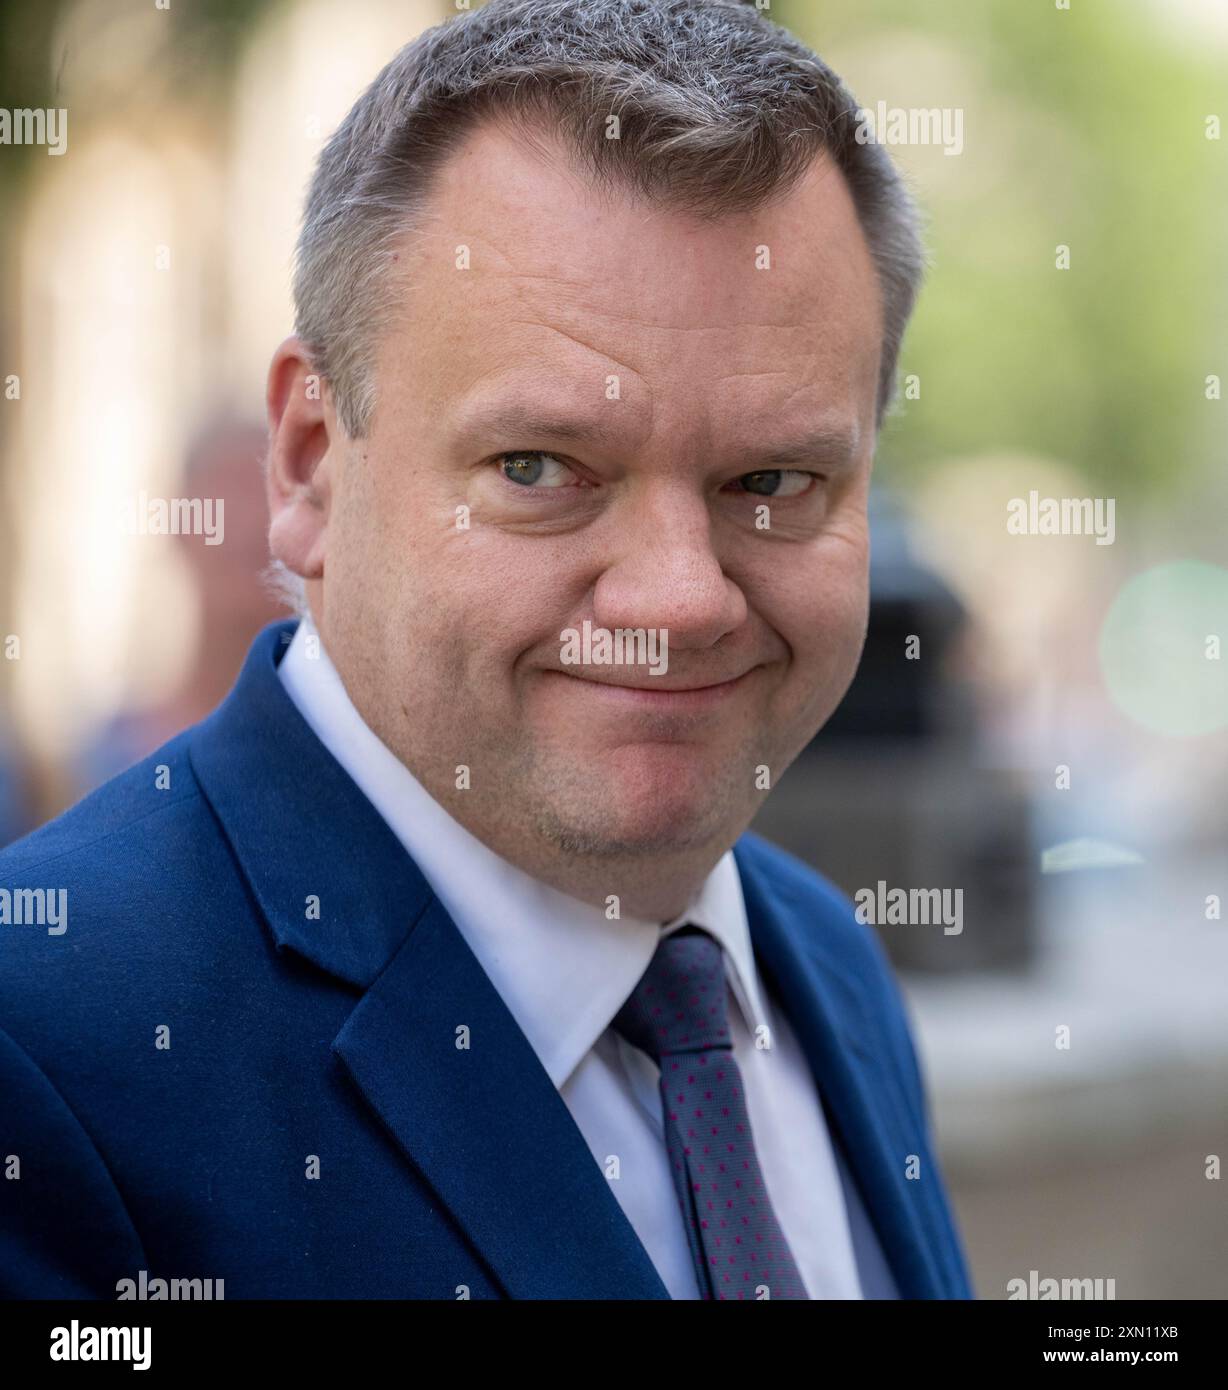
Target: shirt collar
563	968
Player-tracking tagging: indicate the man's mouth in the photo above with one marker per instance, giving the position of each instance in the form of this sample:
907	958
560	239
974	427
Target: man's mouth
634	689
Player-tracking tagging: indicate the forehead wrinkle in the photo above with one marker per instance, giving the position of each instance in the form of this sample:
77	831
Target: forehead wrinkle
714	324
588	347
751	376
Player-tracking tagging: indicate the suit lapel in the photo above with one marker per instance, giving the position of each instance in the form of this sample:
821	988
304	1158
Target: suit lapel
828	1011
441	1060
483	1125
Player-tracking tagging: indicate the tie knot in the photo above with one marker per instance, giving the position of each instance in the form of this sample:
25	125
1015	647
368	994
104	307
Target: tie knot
679	1004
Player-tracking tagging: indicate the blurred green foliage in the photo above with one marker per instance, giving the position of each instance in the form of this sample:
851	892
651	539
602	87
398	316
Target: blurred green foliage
1093	122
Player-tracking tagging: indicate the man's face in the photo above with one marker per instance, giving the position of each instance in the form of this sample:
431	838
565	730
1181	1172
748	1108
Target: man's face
646	423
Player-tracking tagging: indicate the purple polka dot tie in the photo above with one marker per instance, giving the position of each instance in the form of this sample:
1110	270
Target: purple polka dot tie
676	1014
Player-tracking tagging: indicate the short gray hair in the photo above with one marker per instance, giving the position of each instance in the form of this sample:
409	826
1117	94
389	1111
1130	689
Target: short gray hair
718	108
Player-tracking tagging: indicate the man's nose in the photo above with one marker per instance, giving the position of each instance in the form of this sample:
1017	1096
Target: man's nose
667	575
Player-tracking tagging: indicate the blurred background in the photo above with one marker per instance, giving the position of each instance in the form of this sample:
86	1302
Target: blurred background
1040	722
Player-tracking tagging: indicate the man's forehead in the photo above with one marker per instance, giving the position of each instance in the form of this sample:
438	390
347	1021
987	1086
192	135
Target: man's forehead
536	221
524	262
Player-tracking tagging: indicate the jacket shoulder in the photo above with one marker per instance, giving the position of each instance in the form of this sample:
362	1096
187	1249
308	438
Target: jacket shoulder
81	838
100	901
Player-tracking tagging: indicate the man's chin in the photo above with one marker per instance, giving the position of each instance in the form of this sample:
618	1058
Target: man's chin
643	821
615	840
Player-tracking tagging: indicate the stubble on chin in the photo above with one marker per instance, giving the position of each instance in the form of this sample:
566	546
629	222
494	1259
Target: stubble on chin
578	817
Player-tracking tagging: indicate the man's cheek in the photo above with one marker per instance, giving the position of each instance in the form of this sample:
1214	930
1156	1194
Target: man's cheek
826	656
831	618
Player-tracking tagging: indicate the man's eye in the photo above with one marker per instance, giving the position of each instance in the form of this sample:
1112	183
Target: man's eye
532	468
777	482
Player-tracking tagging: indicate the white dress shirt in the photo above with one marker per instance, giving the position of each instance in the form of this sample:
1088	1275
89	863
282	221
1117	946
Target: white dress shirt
564	971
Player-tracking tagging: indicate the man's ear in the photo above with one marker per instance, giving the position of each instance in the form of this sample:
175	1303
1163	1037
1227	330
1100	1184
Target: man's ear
302	430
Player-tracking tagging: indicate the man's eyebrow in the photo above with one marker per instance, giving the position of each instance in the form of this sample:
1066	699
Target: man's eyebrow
835	445
520	421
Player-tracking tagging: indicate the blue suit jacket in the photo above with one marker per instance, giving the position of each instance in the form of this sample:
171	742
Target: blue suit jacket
296	1041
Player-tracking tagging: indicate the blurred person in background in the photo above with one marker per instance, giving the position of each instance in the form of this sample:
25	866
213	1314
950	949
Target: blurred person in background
233	600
